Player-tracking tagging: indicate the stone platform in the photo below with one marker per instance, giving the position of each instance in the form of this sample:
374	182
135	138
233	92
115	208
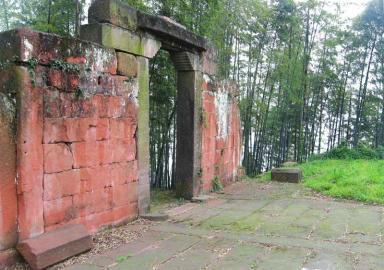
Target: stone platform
257	226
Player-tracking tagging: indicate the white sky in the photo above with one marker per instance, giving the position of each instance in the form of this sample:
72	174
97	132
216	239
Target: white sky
351	8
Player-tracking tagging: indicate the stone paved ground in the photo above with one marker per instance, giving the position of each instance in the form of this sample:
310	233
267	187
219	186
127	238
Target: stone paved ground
258	226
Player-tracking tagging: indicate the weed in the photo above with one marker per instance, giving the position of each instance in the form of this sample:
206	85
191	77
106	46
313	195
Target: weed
217	186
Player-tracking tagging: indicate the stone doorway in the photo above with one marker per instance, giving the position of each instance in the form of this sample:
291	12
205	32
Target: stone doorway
129	31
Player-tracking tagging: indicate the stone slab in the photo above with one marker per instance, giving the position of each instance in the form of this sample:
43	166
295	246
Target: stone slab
114	12
56	246
155	216
120	39
24	45
288	175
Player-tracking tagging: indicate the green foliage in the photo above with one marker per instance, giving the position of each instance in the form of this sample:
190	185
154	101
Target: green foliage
360	180
217	186
343	151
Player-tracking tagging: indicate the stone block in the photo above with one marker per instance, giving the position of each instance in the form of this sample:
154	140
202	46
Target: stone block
209	61
114	12
92	202
25	44
58	211
289	175
57	158
126	64
155	217
56	246
85	154
123	128
121	39
59	185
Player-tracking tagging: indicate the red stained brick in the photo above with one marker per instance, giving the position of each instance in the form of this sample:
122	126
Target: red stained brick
116	216
75	130
30	157
85	154
79	60
124	150
102	129
57	158
122	128
125	194
130	108
31	213
61	185
96	177
58	211
8	214
93	202
52	103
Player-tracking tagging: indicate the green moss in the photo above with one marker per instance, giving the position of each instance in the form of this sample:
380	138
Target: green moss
65	66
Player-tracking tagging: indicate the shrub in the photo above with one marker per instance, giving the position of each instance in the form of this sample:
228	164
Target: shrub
343	151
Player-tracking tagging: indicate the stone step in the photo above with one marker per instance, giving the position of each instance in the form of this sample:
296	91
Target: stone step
56	246
288	175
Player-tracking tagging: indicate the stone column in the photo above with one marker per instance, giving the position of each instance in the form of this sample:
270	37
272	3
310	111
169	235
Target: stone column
143	135
188	154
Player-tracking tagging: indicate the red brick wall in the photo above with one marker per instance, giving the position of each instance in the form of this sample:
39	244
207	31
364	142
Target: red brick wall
221	142
76	135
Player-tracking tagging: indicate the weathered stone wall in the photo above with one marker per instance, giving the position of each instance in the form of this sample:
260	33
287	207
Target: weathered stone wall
76	136
221	136
74	122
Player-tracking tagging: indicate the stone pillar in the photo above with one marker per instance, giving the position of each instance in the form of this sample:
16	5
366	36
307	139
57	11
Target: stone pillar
8	197
143	135
188	154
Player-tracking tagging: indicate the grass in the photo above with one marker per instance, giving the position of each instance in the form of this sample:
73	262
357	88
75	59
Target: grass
162	200
360	180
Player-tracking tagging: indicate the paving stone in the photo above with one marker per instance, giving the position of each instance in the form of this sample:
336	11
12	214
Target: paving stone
276	226
328	262
156	254
243	256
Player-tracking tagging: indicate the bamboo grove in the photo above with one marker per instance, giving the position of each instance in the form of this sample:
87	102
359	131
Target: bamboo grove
310	79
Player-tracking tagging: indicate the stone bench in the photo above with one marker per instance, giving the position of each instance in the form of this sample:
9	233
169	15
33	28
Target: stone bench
56	246
287	175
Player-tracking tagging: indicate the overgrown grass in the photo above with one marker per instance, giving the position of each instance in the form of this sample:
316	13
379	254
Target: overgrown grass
162	199
361	180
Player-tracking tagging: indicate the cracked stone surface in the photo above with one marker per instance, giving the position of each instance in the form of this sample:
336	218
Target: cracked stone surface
258	226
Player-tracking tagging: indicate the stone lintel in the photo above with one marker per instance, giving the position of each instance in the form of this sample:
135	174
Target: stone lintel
121	39
186	61
169	32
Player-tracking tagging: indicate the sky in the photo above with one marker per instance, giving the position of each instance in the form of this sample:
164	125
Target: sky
351	8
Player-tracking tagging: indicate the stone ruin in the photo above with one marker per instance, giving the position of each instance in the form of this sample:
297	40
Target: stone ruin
74	123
